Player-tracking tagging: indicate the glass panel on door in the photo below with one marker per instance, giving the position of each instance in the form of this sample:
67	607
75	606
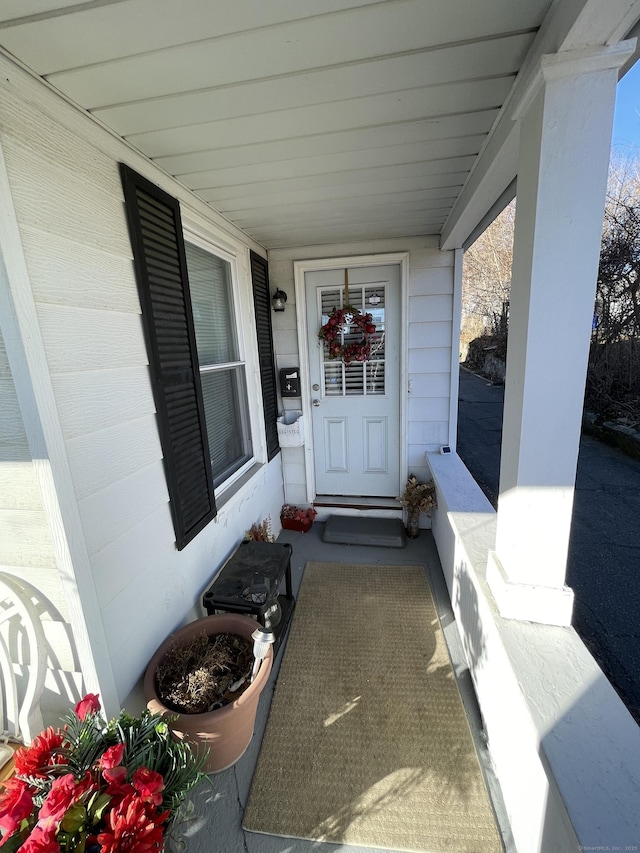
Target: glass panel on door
357	379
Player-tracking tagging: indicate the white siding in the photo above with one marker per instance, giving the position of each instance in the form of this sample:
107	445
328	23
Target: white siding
65	186
430	312
427	338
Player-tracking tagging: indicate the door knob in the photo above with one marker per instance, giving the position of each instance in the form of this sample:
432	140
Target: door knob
316	402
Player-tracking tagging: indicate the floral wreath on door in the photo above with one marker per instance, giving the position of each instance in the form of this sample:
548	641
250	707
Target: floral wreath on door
348	320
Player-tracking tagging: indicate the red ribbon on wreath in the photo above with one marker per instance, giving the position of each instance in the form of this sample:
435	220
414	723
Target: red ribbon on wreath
343	321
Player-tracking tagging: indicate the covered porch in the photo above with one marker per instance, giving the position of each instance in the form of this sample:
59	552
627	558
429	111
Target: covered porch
284	145
218	808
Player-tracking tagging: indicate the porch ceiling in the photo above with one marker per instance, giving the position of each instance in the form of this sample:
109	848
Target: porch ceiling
301	121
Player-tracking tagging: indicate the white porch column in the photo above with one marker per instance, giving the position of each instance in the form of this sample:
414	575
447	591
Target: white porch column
565	137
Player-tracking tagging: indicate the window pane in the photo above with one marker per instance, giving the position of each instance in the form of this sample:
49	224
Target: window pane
223	389
354	378
375	377
331	299
211	298
357	378
333	379
225	406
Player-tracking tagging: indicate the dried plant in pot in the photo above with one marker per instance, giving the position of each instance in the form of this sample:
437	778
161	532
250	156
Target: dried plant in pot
417	498
222	719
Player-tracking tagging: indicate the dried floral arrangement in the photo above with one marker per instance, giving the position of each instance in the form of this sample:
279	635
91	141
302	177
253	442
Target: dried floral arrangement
418	497
260	532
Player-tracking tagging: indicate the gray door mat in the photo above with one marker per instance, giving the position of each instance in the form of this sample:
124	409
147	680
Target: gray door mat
364	530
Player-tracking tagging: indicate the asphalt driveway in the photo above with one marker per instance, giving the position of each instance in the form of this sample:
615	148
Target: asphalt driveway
604	551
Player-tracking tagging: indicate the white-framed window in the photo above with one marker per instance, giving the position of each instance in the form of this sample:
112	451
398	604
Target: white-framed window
221	357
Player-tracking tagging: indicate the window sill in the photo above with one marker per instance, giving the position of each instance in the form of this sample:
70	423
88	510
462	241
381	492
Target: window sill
223	497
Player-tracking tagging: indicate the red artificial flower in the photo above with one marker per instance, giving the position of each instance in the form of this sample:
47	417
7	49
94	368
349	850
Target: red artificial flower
118	791
89	705
65	791
41	841
149	785
111	757
115	775
30	760
133	827
16	803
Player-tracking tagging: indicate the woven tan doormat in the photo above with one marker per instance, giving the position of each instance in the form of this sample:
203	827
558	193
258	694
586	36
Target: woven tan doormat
367	741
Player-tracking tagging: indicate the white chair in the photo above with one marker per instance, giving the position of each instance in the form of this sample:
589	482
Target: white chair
23	662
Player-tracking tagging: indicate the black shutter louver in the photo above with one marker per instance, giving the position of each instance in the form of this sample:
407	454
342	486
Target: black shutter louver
155	229
262	307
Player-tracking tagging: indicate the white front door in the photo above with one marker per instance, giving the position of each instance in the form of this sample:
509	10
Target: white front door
356	407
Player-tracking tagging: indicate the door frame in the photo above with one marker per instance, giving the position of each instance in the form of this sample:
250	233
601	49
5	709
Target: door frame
339	263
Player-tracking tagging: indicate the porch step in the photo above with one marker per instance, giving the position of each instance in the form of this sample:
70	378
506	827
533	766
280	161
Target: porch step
357	503
364	530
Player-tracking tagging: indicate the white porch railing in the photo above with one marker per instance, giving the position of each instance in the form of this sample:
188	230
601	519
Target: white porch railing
565	749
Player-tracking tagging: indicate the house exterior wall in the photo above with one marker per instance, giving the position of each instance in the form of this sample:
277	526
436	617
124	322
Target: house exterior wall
64	185
428	343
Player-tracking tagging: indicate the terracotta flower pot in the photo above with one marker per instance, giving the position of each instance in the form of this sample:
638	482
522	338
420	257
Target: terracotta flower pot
227	731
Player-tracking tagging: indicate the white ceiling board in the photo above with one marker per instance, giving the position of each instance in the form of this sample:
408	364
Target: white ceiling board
427	218
376	110
349	232
462	150
339	234
18	10
436	133
348	37
328	205
494	57
330	227
404	205
340	178
233	206
301	121
95	34
302	215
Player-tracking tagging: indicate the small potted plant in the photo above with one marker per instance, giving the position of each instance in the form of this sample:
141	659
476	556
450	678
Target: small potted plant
96	786
416	499
260	532
295	518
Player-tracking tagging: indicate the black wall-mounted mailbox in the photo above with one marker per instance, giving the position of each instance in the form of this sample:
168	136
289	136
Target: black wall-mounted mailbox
290	382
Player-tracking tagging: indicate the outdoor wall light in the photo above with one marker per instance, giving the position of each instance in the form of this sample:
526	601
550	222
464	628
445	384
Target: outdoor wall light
278	299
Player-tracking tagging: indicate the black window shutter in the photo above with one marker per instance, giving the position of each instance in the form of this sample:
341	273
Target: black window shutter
262	307
155	228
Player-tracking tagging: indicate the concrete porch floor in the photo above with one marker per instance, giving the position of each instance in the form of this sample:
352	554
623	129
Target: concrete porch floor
215	822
